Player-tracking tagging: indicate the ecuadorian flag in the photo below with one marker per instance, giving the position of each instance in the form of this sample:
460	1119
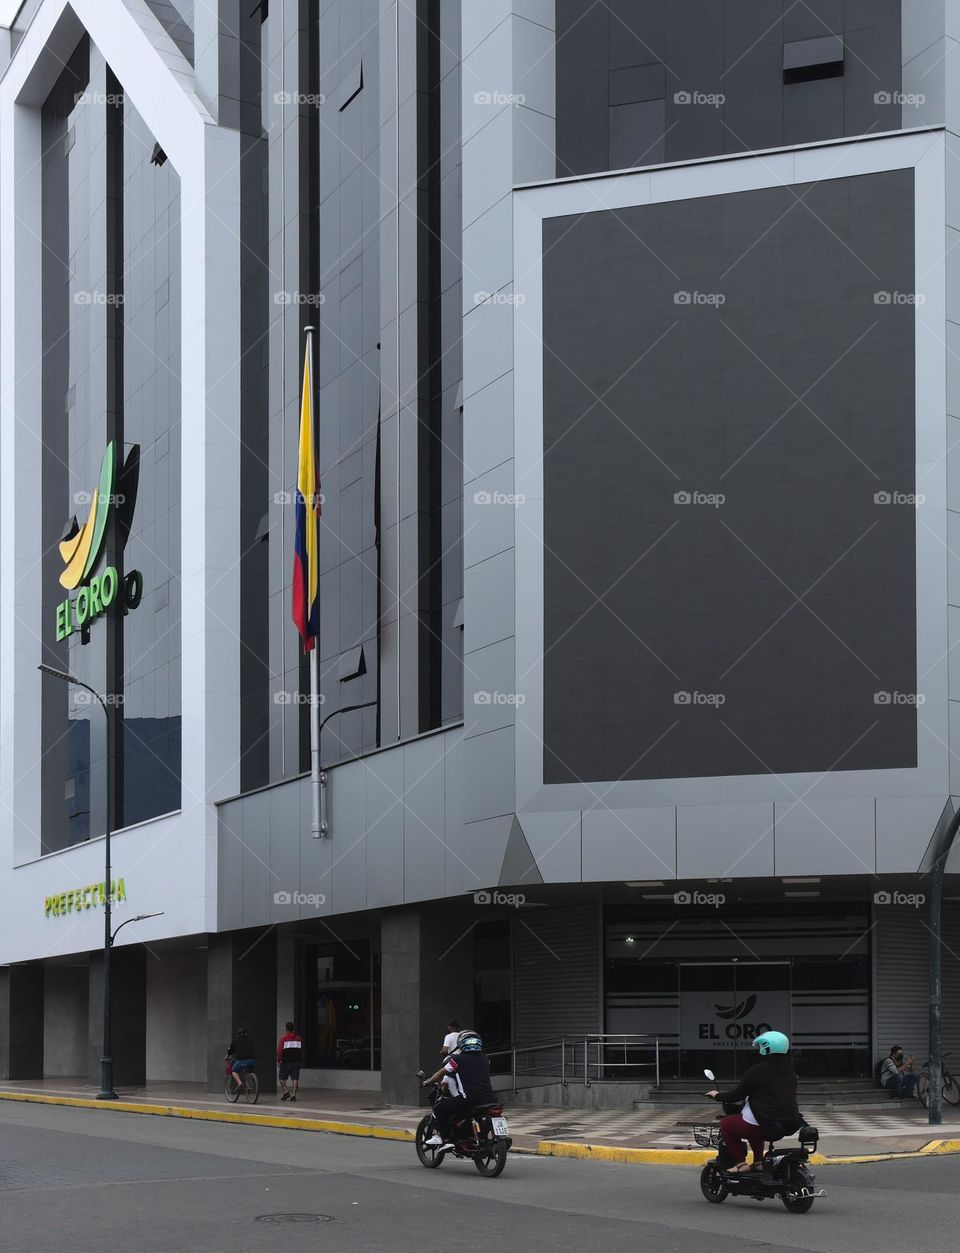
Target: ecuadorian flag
306	566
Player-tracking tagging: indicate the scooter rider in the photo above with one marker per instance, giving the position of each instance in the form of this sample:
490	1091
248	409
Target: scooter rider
769	1094
469	1067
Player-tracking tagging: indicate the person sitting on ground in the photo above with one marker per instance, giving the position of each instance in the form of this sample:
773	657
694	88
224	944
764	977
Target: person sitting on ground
897	1074
768	1091
289	1057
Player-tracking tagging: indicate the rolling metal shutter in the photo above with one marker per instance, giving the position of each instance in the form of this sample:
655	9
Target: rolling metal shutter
901	946
557	981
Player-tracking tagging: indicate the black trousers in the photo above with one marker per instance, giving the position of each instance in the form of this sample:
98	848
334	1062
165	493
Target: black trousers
447	1110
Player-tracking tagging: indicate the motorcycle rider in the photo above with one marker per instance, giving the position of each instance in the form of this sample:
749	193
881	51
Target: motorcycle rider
768	1091
469	1068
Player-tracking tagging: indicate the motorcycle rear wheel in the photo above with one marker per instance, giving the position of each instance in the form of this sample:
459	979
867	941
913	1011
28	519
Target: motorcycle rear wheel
712	1185
428	1155
491	1158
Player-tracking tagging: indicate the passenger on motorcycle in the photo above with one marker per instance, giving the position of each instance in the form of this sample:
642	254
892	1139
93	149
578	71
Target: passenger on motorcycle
769	1094
469	1068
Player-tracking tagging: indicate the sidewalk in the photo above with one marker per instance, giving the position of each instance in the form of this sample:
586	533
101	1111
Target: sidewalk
655	1135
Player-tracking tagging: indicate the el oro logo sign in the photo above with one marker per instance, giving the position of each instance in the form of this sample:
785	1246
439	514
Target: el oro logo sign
81	548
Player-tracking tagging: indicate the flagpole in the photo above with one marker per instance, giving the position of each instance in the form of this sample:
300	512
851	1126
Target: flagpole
318	825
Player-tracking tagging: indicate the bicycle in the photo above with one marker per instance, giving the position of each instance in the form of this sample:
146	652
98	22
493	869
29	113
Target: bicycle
951	1088
249	1087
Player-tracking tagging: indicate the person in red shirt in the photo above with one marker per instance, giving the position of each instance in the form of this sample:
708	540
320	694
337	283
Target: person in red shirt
289	1056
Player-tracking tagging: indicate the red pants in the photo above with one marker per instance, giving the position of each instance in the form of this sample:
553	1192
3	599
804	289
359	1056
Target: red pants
733	1129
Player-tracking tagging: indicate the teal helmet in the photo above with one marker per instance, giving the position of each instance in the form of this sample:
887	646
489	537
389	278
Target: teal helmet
469	1042
771	1042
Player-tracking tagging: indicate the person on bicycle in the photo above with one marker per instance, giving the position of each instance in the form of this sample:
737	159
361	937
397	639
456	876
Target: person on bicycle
897	1074
469	1068
243	1055
768	1091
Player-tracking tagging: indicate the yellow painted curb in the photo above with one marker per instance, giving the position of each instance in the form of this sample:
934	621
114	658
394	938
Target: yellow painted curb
698	1157
215	1115
611	1153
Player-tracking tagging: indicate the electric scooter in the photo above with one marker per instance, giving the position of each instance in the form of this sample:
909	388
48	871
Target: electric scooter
783	1173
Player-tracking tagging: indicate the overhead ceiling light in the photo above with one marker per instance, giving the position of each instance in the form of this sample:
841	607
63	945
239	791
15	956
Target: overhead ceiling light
801	893
629	940
644	883
813	878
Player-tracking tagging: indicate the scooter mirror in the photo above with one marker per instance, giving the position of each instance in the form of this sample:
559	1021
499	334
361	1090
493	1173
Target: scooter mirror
710	1075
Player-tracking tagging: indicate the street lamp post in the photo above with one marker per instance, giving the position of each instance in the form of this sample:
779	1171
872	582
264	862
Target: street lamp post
106	1092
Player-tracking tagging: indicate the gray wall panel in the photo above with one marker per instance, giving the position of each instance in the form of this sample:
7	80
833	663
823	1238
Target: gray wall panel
725	841
424	827
384	823
837	837
257	878
629	844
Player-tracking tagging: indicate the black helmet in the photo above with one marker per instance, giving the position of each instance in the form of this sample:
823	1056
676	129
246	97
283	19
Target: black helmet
469	1042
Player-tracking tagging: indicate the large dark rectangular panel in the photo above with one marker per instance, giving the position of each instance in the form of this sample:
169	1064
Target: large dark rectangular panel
729	574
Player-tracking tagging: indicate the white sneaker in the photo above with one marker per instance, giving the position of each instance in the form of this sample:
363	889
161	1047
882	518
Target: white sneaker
434	1142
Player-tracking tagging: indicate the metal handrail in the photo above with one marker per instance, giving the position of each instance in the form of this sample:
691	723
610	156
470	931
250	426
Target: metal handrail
601	1042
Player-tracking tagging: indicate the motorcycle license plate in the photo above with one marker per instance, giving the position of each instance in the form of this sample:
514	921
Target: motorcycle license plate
499	1126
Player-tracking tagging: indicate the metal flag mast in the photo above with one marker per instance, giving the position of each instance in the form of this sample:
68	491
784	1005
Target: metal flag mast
318	826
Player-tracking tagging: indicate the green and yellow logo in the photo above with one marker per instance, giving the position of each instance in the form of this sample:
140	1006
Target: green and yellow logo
80	550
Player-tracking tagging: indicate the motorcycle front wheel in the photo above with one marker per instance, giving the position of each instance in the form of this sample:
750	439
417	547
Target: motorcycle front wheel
712	1185
800	1180
491	1158
428	1155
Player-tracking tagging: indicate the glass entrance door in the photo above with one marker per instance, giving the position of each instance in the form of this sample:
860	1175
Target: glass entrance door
724	1005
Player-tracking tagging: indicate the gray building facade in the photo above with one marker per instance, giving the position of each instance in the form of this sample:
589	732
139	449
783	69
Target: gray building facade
635	410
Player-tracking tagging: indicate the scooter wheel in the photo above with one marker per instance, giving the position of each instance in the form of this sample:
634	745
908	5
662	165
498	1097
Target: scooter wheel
794	1204
712	1185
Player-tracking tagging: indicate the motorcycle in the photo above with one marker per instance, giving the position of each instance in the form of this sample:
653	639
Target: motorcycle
481	1137
783	1173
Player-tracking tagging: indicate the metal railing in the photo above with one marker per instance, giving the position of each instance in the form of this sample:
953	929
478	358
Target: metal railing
584	1059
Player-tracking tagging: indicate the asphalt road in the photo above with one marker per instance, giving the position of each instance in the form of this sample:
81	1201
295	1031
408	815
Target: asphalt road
90	1180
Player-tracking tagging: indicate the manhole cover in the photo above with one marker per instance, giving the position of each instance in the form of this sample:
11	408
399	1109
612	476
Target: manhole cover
294	1218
